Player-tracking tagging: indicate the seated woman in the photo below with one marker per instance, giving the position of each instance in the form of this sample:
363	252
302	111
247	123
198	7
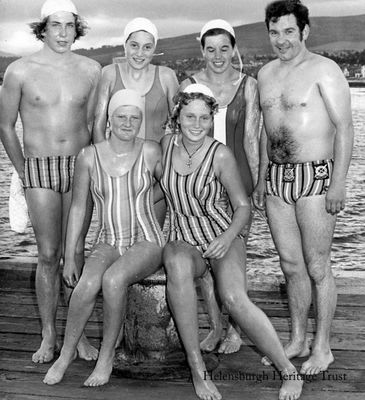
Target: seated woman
196	171
120	174
236	124
156	84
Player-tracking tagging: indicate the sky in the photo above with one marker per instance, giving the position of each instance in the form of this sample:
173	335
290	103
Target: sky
107	18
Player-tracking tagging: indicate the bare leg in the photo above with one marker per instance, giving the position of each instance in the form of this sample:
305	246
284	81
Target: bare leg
138	262
85	350
214	313
231	278
288	242
317	228
81	306
45	209
183	265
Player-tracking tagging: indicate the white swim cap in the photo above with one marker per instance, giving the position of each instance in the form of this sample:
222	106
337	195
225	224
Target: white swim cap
125	97
198	88
216	24
140	24
52	6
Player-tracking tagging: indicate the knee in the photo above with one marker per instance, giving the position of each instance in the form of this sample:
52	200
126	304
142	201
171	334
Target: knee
233	299
113	283
177	262
292	265
49	255
319	268
88	286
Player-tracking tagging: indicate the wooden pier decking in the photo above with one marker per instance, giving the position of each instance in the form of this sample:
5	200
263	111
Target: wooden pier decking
238	376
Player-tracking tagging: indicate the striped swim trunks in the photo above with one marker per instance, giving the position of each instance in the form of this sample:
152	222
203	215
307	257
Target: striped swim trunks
53	172
291	181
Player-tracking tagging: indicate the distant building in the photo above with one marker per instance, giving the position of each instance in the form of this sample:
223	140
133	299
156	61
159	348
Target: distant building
346	72
363	71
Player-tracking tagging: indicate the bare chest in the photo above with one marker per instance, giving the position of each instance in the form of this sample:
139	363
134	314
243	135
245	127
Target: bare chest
52	87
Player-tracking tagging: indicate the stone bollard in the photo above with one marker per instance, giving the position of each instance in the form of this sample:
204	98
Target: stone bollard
151	347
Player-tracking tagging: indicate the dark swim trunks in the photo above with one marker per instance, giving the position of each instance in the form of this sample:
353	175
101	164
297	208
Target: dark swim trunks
53	172
292	181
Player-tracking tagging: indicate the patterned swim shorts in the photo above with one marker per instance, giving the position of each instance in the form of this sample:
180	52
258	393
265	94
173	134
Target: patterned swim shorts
53	172
292	181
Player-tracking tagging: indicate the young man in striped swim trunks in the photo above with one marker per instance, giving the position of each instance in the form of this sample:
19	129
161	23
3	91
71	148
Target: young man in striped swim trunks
306	150
54	92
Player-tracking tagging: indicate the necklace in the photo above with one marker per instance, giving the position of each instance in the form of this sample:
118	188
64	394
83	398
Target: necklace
190	155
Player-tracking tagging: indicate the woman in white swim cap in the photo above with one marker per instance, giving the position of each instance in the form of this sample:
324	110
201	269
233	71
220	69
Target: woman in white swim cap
236	124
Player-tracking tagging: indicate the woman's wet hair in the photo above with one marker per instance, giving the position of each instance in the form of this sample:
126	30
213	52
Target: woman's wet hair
280	8
216	32
38	28
182	99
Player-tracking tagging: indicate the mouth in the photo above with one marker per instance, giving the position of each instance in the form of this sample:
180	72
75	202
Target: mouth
138	60
218	64
62	42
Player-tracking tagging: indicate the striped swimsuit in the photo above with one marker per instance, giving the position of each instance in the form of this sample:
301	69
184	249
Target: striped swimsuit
292	181
124	205
194	216
53	172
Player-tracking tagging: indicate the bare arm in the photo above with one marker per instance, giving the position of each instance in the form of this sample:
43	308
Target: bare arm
95	78
10	97
252	127
153	157
170	85
336	96
226	169
103	96
80	191
258	195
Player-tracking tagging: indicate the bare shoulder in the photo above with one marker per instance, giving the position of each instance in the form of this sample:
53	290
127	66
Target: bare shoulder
184	83
87	64
85	158
325	67
267	70
151	148
223	155
166	72
251	84
18	68
165	141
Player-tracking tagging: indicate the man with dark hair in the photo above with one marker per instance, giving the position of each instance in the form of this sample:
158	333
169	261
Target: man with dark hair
306	147
54	92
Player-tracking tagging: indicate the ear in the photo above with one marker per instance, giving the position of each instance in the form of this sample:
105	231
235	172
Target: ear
306	31
202	50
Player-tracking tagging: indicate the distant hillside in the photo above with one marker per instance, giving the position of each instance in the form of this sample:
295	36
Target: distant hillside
327	34
331	34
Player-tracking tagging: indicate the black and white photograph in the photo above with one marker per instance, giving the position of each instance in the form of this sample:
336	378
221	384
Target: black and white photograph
182	199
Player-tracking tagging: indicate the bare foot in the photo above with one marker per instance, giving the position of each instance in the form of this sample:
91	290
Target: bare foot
292	385
204	387
211	341
45	353
231	343
292	349
85	350
55	373
317	362
101	374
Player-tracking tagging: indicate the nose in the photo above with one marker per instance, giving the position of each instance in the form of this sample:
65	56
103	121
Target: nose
63	31
197	123
128	122
217	54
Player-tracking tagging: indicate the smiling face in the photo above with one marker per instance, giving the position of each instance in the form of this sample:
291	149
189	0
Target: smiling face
126	122
195	120
218	52
60	31
286	39
139	49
